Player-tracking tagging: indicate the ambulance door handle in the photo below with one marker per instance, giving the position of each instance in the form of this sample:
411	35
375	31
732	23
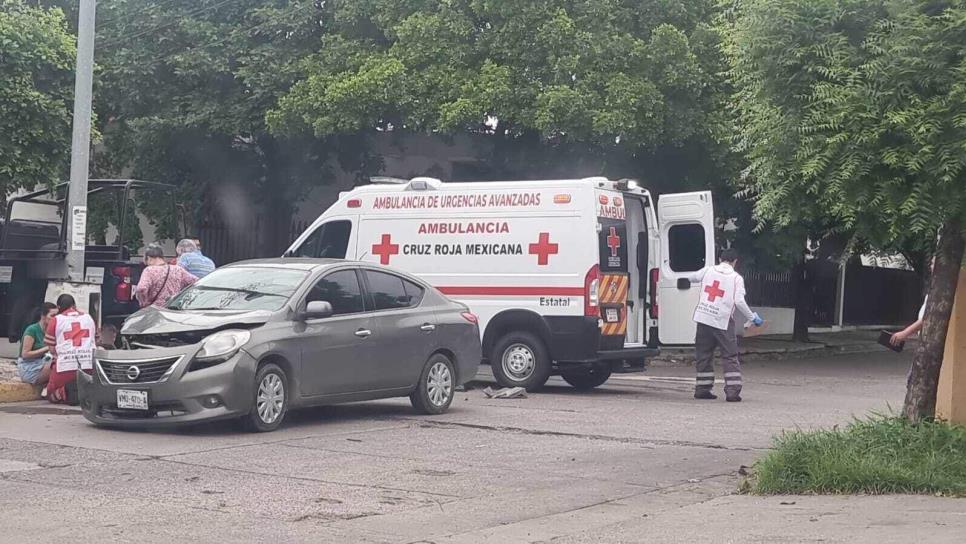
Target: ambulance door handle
363	333
428	327
684	284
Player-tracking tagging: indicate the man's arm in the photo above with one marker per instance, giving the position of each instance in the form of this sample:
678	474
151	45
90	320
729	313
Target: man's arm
740	302
698	276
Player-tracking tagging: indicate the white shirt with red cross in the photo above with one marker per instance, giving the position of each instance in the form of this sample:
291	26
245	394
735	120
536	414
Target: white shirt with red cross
722	290
74	338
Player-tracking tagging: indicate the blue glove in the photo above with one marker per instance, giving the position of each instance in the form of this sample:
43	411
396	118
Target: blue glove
756	320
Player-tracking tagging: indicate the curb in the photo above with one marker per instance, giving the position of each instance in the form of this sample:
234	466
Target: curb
17	392
678	356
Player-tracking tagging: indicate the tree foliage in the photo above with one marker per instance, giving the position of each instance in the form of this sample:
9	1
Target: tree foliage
638	73
182	91
853	112
36	95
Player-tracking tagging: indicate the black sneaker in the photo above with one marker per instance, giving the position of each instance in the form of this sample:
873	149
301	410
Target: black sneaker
734	398
705	395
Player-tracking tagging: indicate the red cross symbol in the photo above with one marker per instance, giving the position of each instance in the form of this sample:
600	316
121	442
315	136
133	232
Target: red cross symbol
543	249
714	291
76	334
613	241
386	249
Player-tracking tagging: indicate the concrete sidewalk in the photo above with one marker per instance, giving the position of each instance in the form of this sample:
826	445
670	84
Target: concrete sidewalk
782	346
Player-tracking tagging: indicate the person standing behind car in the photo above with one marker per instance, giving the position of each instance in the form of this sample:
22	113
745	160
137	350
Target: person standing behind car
70	336
159	280
33	366
191	259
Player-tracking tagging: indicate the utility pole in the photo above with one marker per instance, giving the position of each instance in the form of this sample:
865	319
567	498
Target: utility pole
80	148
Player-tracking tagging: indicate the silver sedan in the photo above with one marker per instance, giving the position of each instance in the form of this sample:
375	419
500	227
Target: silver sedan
255	339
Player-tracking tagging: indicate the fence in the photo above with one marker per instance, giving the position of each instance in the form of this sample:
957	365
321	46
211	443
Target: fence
226	243
772	289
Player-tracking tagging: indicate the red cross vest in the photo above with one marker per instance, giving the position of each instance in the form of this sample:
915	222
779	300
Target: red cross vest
716	300
75	341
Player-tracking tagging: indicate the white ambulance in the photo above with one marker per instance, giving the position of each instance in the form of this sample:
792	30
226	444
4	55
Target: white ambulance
577	277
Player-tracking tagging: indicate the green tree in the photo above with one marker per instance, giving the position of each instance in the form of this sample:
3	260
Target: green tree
182	91
36	90
629	87
852	112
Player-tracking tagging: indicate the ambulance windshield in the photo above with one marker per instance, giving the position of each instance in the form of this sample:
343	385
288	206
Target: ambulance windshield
330	240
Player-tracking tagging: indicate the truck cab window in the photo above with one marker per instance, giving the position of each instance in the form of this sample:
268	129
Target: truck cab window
330	240
686	247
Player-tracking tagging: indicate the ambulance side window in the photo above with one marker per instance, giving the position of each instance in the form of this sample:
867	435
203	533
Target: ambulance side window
330	240
686	247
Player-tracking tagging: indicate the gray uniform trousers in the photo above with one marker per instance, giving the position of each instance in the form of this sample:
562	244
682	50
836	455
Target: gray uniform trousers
706	339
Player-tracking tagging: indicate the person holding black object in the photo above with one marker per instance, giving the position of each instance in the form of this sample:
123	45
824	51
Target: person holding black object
899	338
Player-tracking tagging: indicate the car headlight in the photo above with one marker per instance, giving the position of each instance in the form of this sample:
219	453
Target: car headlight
219	347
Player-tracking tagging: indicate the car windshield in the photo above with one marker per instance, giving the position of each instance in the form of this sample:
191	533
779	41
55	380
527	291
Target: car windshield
240	288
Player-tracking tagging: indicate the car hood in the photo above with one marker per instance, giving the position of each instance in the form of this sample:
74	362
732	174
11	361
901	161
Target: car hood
154	320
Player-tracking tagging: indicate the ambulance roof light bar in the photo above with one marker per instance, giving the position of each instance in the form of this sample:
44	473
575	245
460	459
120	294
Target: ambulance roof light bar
387	180
424	184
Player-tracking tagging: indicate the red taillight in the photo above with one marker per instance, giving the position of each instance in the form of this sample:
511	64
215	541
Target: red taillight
591	282
655	276
122	292
354	203
471	317
603	199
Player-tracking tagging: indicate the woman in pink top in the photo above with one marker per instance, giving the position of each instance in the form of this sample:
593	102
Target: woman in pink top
160	281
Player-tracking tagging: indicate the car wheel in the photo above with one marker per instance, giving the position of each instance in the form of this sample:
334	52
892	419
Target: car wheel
434	393
586	378
271	399
520	359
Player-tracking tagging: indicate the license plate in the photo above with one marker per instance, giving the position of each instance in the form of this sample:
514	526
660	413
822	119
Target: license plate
132	400
612	315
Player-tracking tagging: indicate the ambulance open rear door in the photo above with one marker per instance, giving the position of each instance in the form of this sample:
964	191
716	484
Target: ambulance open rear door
687	245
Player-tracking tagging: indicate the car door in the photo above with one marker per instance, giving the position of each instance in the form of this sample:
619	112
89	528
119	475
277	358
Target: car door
406	329
337	351
687	245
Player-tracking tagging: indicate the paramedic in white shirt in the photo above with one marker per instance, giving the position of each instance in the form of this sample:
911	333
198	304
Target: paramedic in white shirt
722	291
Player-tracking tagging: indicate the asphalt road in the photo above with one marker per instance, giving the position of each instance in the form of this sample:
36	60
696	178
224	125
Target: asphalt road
635	461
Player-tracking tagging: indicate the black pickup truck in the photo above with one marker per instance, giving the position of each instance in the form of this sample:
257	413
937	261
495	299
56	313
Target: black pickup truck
32	250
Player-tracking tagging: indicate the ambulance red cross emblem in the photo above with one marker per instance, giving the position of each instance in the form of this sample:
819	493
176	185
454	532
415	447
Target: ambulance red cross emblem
613	241
386	249
543	249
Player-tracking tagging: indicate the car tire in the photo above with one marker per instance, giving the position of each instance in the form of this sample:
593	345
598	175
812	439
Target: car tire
586	378
436	387
520	359
267	413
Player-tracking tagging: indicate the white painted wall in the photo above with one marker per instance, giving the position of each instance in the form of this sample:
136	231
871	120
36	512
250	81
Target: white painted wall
780	320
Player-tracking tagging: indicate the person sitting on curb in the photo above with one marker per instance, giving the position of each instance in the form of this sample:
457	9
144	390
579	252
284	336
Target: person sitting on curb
33	365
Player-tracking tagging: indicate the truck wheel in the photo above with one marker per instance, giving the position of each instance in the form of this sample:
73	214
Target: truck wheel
20	316
520	359
585	379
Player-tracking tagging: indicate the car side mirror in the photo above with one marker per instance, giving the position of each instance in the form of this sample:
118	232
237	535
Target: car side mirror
317	309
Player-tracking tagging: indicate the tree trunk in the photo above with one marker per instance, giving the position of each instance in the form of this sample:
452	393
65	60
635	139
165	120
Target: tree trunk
920	400
803	301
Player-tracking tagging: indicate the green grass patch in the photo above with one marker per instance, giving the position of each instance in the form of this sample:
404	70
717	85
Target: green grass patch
874	456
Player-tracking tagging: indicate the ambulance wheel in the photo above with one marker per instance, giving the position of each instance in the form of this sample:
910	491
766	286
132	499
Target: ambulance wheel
520	359
586	378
